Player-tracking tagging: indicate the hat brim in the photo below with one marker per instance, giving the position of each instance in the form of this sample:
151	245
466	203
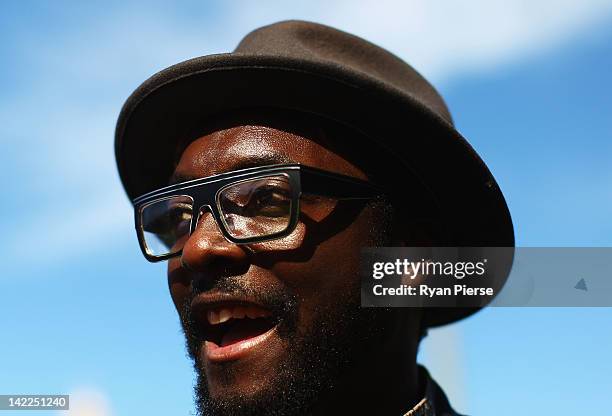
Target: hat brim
176	100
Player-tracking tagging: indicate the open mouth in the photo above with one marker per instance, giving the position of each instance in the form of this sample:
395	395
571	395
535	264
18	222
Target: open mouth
231	330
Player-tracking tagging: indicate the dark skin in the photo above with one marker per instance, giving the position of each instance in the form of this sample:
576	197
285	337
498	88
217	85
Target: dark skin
317	264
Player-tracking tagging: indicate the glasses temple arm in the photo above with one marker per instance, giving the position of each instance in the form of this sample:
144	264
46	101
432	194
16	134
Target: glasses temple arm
337	186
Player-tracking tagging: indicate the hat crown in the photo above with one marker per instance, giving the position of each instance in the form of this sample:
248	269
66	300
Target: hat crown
301	40
315	69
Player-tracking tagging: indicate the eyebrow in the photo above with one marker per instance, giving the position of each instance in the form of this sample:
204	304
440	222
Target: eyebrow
262	159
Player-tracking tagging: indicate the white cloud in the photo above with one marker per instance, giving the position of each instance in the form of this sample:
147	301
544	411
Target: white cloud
86	401
441	38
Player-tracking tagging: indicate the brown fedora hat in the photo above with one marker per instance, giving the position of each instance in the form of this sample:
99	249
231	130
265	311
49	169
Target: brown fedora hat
312	68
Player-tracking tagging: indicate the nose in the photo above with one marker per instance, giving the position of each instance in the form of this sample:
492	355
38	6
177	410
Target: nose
207	249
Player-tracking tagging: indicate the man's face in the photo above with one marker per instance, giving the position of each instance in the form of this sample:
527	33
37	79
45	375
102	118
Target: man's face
293	303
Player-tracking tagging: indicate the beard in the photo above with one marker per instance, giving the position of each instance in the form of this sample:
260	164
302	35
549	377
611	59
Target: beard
315	360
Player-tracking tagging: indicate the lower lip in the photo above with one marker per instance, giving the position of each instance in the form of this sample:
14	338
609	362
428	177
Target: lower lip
236	350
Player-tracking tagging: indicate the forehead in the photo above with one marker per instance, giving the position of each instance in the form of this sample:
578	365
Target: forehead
247	142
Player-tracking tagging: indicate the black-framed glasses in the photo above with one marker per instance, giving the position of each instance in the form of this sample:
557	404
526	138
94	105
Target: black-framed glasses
249	205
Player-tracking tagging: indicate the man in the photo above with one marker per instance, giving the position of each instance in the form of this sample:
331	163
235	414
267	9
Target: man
259	175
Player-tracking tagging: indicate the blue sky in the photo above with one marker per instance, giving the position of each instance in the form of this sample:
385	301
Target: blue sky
528	84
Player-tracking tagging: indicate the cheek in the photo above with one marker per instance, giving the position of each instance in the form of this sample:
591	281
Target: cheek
334	267
330	275
327	268
325	285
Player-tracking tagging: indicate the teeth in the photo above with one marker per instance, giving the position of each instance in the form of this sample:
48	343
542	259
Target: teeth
225	315
252	313
221	315
213	317
239	312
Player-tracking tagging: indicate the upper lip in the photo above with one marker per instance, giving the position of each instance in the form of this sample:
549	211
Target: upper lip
205	302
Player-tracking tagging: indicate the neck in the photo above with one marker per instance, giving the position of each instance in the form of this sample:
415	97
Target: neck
385	382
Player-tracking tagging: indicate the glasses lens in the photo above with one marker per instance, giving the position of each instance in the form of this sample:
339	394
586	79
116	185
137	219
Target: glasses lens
166	224
256	207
